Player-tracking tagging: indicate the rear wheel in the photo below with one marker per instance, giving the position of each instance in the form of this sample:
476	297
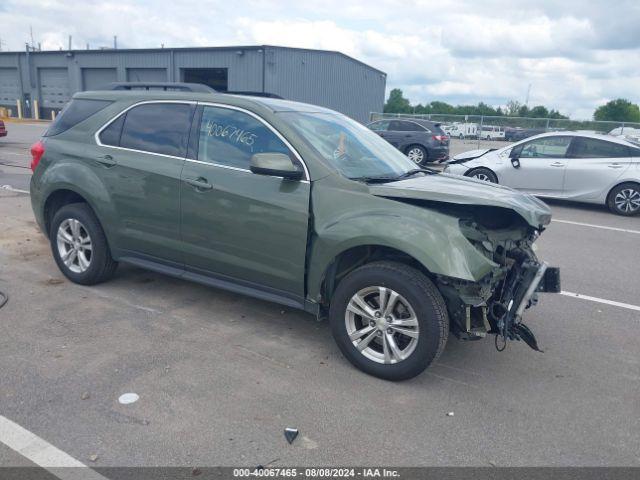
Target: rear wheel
79	245
625	199
417	154
483	174
389	320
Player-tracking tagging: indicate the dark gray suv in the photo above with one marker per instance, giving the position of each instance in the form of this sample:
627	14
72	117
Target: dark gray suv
422	141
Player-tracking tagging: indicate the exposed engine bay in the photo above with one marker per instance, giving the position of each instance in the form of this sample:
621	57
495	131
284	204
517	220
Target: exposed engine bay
495	305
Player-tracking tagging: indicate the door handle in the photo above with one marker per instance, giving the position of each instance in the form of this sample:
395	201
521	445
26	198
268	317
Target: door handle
556	164
106	161
614	165
199	183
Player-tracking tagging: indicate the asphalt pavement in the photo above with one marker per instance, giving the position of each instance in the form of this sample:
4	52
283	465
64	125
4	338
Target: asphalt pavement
219	376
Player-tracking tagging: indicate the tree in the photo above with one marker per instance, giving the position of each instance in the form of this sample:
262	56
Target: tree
397	103
539	111
513	107
619	110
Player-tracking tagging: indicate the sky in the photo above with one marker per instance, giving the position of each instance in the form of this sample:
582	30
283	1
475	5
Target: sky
576	55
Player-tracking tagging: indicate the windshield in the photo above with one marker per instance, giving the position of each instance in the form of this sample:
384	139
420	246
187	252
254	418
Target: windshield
354	150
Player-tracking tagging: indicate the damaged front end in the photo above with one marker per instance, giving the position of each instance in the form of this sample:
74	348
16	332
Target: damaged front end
496	303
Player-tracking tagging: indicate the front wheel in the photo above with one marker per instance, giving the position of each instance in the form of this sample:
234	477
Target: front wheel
625	199
483	174
389	320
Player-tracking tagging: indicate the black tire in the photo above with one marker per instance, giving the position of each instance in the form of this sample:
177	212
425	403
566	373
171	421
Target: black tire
422	151
482	174
628	189
101	265
424	298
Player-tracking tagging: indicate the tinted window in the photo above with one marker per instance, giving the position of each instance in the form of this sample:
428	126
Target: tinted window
593	148
379	126
397	126
547	147
229	137
111	134
158	128
73	113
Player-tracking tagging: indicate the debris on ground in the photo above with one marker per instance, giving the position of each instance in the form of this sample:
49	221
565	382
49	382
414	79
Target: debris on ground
93	457
127	398
450	414
290	434
54	281
85	396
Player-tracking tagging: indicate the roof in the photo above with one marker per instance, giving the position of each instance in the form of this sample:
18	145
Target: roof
107	51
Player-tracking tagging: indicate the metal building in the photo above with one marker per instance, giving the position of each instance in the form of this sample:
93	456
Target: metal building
326	78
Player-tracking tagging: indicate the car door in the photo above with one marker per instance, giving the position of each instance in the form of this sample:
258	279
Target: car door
538	166
395	133
237	225
594	165
380	127
140	159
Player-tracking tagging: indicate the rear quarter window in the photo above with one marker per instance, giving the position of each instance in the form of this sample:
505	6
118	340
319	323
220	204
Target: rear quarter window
76	111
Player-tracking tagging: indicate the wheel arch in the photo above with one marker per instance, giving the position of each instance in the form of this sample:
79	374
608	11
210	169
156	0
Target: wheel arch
469	172
353	257
619	183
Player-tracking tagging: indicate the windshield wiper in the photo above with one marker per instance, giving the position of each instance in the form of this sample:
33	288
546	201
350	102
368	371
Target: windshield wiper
374	179
385	179
430	171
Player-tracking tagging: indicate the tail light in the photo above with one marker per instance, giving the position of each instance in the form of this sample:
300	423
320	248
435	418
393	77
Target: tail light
37	150
440	138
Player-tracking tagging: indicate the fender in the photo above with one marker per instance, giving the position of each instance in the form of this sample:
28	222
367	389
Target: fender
432	238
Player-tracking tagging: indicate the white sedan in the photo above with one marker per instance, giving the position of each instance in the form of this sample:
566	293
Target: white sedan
584	167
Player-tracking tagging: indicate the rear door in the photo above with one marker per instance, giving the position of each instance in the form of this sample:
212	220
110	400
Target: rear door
543	163
594	166
236	224
140	158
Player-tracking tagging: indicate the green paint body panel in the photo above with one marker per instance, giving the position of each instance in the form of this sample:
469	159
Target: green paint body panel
264	231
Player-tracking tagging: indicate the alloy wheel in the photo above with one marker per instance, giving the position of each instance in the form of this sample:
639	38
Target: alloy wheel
627	200
416	155
482	176
74	245
382	325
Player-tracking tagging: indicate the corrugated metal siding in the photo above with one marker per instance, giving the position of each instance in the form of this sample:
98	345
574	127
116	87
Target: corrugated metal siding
146	74
325	78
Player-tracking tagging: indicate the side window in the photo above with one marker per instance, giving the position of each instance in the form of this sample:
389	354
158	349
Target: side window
229	137
158	128
74	112
593	148
380	126
547	147
111	134
406	127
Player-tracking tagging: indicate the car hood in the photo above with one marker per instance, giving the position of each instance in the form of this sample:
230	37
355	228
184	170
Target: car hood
471	154
454	189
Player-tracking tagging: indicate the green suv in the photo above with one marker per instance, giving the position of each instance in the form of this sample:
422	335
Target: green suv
294	204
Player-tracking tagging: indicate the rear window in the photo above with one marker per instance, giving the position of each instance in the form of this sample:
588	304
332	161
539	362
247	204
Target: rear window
158	128
73	113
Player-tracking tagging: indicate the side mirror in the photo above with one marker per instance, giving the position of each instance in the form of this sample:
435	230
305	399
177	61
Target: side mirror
275	165
514	156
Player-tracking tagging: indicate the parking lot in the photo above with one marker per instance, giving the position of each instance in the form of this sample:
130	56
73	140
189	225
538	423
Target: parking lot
219	376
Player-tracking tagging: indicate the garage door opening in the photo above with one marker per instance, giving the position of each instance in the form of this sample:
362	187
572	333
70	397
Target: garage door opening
216	78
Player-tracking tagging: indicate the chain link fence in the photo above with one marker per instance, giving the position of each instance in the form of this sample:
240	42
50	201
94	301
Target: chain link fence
512	129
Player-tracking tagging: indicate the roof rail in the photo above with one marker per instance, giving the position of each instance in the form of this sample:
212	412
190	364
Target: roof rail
255	94
166	86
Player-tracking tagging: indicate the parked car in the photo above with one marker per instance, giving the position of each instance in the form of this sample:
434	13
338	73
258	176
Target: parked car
463	130
522	133
3	129
422	141
576	166
290	203
491	132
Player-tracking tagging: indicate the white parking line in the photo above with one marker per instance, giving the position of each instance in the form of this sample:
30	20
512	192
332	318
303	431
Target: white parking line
11	189
601	300
615	229
43	454
16	153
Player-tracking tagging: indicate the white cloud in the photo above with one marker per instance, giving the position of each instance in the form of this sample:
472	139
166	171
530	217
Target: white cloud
576	54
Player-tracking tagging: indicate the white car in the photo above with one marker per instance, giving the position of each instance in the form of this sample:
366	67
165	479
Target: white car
491	132
576	166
